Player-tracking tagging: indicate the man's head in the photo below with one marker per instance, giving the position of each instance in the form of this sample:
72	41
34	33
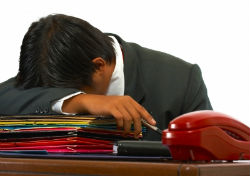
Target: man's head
63	51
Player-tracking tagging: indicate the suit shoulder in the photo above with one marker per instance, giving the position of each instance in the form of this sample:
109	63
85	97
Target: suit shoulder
159	59
7	84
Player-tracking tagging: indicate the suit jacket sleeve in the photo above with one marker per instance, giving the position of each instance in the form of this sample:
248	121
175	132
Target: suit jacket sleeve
37	100
196	93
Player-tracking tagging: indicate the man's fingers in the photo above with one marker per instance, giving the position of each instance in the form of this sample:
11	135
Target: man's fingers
137	127
136	117
126	111
147	116
144	113
127	119
119	118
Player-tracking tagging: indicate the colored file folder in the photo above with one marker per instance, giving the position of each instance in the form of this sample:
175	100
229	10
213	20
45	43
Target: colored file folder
59	134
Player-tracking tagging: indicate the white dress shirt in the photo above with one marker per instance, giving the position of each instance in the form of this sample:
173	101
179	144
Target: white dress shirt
116	85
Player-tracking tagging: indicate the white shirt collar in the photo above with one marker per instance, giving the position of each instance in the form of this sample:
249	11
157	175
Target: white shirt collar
117	85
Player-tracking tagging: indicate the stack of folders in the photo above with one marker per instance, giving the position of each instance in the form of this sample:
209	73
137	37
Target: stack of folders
59	134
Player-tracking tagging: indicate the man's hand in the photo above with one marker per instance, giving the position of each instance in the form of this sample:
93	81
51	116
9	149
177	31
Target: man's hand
123	108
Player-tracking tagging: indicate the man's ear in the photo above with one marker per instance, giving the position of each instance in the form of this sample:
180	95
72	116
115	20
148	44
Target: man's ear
99	63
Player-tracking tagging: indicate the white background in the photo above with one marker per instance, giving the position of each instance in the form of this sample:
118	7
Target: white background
212	33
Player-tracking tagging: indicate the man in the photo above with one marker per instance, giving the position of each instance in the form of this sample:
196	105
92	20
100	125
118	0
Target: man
68	66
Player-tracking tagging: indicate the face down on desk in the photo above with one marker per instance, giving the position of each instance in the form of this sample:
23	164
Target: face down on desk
61	55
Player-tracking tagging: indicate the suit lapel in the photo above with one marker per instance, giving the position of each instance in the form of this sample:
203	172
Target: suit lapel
132	72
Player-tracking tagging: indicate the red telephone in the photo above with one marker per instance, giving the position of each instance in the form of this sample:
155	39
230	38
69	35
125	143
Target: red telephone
207	135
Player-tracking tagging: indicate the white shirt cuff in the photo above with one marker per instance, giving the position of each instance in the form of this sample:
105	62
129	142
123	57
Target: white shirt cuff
57	105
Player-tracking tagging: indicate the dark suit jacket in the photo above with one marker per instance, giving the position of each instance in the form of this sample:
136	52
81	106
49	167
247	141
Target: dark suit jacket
165	85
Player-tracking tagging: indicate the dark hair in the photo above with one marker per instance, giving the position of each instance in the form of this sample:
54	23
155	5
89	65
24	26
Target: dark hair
57	51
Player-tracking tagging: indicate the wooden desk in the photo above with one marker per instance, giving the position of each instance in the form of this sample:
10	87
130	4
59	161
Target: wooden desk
70	167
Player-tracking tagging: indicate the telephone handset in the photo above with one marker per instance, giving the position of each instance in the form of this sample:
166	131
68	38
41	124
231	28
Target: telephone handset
207	135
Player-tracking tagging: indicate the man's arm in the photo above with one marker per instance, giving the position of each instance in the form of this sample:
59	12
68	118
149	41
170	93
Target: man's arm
38	100
123	108
196	93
